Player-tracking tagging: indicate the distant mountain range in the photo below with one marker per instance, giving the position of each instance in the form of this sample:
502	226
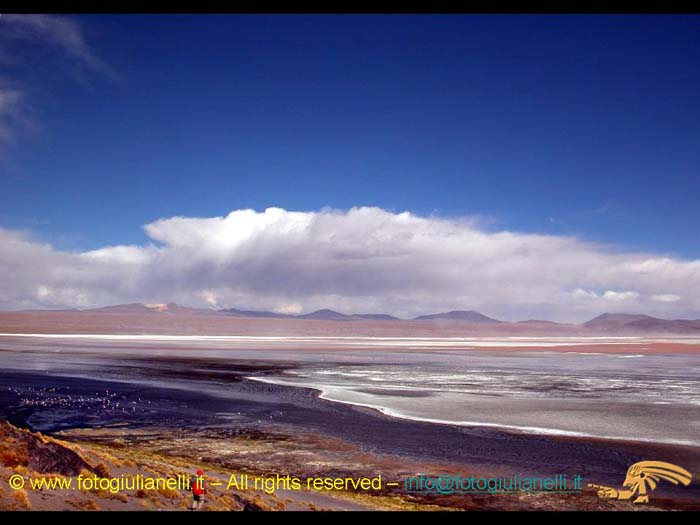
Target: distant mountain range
458	315
332	315
645	323
605	323
321	315
254	313
140	308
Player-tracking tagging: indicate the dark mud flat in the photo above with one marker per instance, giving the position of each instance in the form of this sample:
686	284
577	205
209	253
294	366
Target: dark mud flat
51	403
216	394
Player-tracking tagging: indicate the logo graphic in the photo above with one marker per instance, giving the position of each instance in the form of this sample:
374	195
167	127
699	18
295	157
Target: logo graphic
643	477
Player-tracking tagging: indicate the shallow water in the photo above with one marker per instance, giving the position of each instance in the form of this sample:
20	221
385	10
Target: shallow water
628	396
652	397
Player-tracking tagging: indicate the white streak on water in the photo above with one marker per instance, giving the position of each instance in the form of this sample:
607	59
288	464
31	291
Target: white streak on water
330	394
419	342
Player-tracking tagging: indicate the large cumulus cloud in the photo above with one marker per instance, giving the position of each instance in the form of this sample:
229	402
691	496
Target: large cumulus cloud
360	260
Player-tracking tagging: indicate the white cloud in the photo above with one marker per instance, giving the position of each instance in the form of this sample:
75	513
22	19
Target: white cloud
58	31
361	260
15	115
620	296
20	37
580	293
666	298
294	308
210	298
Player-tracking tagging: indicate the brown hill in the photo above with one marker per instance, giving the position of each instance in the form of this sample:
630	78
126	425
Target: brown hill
458	315
39	453
639	323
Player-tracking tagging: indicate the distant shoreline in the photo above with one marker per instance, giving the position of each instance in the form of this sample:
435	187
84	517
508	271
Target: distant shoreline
575	344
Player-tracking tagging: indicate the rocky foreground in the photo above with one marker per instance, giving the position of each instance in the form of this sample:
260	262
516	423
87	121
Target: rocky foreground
110	453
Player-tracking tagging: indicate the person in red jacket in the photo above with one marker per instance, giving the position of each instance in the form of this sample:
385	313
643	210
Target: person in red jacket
198	490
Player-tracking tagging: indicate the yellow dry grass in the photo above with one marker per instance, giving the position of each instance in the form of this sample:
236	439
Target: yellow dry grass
21	500
84	504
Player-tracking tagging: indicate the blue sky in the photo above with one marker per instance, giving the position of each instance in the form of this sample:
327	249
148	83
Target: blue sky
582	125
570	126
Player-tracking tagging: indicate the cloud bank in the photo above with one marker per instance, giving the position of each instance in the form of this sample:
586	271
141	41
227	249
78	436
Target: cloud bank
363	260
